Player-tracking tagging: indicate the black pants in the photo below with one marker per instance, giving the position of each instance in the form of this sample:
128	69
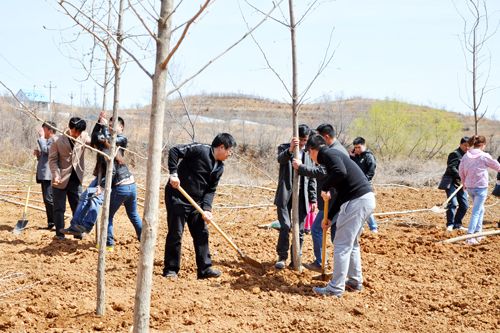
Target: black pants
180	211
73	191
284	217
48	201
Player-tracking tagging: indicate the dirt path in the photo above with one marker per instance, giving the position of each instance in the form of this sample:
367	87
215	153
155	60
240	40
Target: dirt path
413	283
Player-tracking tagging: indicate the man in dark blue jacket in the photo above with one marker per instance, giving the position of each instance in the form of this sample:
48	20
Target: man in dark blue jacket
198	173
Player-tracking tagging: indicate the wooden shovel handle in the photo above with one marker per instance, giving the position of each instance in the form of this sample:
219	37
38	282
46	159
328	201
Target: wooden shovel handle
453	194
29	187
323	253
198	208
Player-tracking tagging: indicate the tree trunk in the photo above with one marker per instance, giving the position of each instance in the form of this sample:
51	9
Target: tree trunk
295	195
104	103
101	263
150	219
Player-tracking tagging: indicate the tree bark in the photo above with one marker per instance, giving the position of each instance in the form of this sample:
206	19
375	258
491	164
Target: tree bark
297	263
150	219
101	263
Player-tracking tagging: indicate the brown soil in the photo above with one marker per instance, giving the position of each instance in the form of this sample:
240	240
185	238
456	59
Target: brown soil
413	283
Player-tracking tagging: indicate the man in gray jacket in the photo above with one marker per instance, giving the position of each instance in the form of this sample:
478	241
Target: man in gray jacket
283	199
319	172
43	174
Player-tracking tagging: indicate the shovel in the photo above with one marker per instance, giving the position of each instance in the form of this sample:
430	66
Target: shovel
442	209
241	257
22	223
324	276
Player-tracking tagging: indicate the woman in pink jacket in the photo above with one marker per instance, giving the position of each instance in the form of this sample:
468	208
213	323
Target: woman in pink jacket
473	172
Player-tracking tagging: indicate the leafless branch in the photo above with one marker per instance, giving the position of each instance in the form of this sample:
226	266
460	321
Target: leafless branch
225	51
142	21
171	54
265	57
30	112
108	33
260	11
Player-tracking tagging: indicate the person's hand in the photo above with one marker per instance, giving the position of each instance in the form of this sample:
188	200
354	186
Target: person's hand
102	118
40	132
326	195
99	191
296	163
313	207
352	153
36	152
207	216
295	142
57	180
174	181
327	225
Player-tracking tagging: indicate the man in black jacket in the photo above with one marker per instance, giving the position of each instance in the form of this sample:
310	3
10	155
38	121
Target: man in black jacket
454	216
364	158
319	172
198	173
355	203
283	199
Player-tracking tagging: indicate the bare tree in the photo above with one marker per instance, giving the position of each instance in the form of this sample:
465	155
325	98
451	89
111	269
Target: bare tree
474	40
297	98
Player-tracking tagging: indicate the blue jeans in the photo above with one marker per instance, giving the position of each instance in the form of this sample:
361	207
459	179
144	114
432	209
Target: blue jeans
478	196
317	236
126	195
454	216
372	224
87	211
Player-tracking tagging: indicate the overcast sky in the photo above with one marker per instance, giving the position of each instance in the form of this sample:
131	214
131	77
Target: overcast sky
405	49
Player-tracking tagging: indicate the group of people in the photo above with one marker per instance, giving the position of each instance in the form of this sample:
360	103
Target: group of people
467	166
60	170
327	173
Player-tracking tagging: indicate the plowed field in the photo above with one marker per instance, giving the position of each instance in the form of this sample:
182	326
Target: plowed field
413	283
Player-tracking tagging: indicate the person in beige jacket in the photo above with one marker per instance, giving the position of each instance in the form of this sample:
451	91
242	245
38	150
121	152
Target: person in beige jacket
67	164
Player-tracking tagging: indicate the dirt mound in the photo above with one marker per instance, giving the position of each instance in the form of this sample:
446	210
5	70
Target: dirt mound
412	282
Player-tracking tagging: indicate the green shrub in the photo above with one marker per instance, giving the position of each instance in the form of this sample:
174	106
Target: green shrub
394	129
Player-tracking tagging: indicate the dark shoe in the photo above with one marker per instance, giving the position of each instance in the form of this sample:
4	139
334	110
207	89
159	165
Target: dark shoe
82	228
170	275
307	231
210	274
352	286
79	236
313	267
325	292
280	264
70	231
60	237
48	227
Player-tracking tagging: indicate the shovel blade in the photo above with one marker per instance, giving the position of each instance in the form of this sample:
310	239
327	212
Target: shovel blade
252	262
21	224
437	209
323	277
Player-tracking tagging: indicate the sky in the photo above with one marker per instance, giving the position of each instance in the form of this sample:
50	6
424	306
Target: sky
404	49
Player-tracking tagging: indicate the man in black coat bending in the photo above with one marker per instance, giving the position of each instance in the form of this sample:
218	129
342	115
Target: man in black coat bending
283	199
198	173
